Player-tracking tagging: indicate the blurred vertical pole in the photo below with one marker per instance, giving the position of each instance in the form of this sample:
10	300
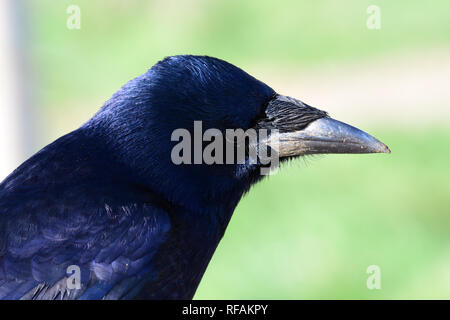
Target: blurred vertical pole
15	118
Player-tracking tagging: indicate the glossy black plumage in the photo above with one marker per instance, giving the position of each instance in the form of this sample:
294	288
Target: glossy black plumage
107	198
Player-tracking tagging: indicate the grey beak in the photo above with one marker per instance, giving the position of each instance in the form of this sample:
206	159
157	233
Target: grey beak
323	136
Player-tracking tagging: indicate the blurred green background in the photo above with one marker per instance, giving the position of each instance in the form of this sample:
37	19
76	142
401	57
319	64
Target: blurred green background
311	230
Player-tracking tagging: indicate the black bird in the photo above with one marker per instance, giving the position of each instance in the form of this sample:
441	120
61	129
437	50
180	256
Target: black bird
108	199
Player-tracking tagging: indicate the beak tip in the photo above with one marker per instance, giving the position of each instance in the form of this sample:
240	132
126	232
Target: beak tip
383	149
386	150
375	146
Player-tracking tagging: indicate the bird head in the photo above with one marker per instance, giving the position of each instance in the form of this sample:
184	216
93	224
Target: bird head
180	91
